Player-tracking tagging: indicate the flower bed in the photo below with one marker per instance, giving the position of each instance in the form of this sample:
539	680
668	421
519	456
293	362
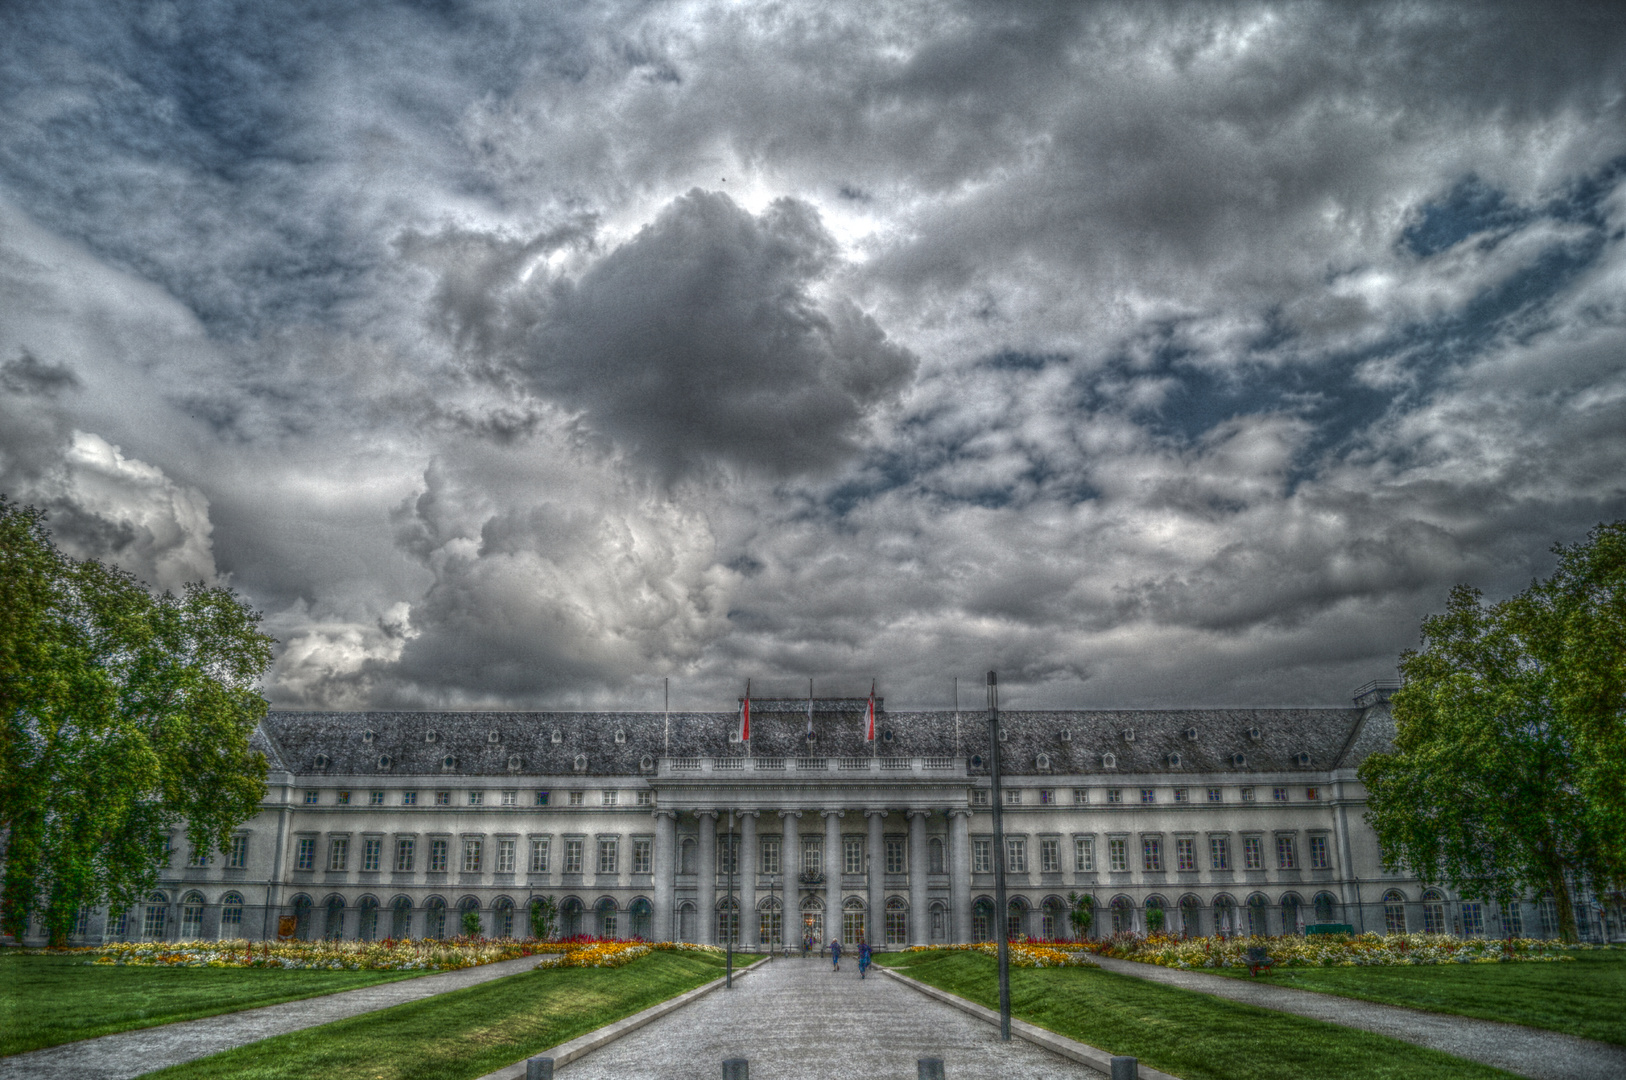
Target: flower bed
1330	950
387	955
602	953
1025	954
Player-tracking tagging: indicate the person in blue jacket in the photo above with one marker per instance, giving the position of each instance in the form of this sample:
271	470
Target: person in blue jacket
835	952
863	957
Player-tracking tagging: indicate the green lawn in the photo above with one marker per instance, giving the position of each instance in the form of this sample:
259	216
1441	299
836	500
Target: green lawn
46	1000
1586	998
1194	1036
465	1033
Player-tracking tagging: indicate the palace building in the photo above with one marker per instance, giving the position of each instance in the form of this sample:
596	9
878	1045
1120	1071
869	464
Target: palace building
395	824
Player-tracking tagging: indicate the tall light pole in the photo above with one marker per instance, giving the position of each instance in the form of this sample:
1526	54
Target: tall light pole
1001	915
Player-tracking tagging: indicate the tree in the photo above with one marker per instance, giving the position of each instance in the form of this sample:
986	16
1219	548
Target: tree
1082	914
471	924
122	715
544	917
1507	772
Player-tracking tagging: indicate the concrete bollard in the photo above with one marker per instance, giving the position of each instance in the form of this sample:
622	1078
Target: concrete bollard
1125	1068
736	1069
929	1069
539	1068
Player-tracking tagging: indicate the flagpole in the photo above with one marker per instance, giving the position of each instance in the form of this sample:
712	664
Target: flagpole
956	716
668	683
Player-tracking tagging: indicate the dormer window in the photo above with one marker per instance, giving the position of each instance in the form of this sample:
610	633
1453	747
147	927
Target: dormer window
886	736
448	763
976	761
1174	761
1066	734
620	736
1003	734
430	736
557	736
580	763
1109	761
1043	762
1191	734
513	762
1129	734
646	763
1239	760
1254	734
383	761
322	761
1303	759
494	737
367	736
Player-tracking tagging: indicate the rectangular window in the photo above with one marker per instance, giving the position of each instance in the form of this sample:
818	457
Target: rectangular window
1473	919
1279	794
979	796
982	860
852	856
1083	854
344	798
169	850
1219	853
510	798
409	798
576	798
608	849
1253	853
237	856
646	797
1247	794
81	923
405	850
1311	794
439	851
1147	795
1049	855
1214	795
1013	796
477	798
1114	795
1046	796
539	856
505	856
812	856
541	798
372	853
471	856
573	856
1185	853
1180	795
1151	853
338	854
769	850
1286	854
1081	796
199	857
1016	855
1117	855
642	852
312	798
608	798
306	859
375	798
1318	853
443	798
895	857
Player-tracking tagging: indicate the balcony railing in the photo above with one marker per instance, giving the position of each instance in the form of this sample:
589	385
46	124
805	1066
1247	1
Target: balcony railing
811	764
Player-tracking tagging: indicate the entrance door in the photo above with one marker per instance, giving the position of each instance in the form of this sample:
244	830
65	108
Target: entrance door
813	926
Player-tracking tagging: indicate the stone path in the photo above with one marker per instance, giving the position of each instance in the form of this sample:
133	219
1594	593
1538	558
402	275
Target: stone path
1543	1055
795	1019
131	1053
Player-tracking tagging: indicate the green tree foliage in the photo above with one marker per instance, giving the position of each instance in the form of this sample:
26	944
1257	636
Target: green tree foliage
1082	913
122	715
544	917
1508	774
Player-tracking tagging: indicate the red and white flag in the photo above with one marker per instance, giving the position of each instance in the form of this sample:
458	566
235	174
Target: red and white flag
871	736
745	714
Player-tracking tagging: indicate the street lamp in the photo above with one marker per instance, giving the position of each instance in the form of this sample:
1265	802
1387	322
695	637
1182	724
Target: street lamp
1001	914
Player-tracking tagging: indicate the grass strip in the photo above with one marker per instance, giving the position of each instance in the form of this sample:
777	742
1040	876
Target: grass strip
464	1033
1194	1036
49	1000
1585	998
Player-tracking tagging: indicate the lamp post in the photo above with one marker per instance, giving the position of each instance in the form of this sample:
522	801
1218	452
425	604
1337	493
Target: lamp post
1001	914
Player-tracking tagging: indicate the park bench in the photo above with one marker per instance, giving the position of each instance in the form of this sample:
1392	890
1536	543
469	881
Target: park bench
1258	959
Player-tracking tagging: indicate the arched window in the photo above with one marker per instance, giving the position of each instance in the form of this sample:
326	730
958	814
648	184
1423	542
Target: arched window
302	917
1123	915
434	918
1258	915
642	915
153	916
852	921
728	921
401	917
607	918
571	910
686	863
1434	912
1224	916
1052	918
464	907
502	918
770	920
939	921
1325	906
1155	903
1394	912
1513	919
231	915
934	855
192	916
982	920
1292	914
897	921
686	922
813	919
367	919
1016	919
1191	916
334	929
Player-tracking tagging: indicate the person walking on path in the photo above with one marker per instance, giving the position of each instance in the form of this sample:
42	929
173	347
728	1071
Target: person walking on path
835	953
863	957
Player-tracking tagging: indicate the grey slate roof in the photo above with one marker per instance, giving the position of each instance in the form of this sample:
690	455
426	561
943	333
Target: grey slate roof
1075	741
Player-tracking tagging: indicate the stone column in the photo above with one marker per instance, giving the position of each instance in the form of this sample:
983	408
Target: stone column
919	920
875	931
705	878
790	865
832	874
749	931
959	868
664	923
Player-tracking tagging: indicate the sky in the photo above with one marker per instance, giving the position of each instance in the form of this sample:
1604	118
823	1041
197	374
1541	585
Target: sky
531	355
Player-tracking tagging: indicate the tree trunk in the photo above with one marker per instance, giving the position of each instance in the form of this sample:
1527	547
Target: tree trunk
1566	908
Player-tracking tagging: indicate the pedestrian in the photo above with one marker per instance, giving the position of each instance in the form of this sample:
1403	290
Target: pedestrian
863	957
835	953
807	945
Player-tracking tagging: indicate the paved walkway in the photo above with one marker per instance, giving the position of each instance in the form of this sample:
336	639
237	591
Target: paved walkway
795	1019
1543	1055
131	1053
